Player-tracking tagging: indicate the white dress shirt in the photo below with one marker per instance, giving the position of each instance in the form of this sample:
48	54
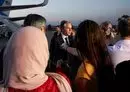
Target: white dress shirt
64	36
120	51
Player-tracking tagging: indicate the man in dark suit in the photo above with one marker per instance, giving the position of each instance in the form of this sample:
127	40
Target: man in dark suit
56	52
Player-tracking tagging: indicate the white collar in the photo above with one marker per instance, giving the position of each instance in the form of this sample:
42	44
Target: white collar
63	36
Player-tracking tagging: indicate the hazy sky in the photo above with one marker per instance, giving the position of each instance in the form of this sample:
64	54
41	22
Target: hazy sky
77	10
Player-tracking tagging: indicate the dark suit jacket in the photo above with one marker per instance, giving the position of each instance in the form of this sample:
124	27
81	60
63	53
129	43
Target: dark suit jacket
56	53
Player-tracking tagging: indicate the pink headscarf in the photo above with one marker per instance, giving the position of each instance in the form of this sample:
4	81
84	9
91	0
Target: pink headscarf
27	50
25	60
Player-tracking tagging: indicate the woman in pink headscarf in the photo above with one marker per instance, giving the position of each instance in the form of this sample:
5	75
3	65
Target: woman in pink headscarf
25	60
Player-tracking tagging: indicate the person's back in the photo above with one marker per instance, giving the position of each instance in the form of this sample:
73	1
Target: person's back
120	51
95	74
123	76
34	20
25	64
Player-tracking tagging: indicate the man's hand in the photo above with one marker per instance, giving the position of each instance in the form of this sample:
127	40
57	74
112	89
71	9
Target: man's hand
64	46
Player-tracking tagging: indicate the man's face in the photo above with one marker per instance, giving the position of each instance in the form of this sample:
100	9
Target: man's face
67	30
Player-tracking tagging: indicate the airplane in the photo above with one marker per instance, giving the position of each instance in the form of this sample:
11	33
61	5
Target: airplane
6	21
6	8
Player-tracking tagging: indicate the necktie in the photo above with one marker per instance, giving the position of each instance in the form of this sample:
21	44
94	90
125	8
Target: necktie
66	41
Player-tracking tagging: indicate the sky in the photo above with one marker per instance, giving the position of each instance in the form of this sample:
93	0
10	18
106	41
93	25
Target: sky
76	10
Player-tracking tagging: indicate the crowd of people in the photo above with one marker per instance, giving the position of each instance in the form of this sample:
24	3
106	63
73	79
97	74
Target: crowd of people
91	58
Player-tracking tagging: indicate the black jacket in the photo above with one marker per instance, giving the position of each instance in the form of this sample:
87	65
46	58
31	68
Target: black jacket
56	53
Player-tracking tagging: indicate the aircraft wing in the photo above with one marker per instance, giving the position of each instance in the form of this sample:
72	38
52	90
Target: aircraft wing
7	8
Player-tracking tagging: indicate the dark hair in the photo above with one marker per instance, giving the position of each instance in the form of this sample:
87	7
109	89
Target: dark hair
34	20
63	22
91	45
124	26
